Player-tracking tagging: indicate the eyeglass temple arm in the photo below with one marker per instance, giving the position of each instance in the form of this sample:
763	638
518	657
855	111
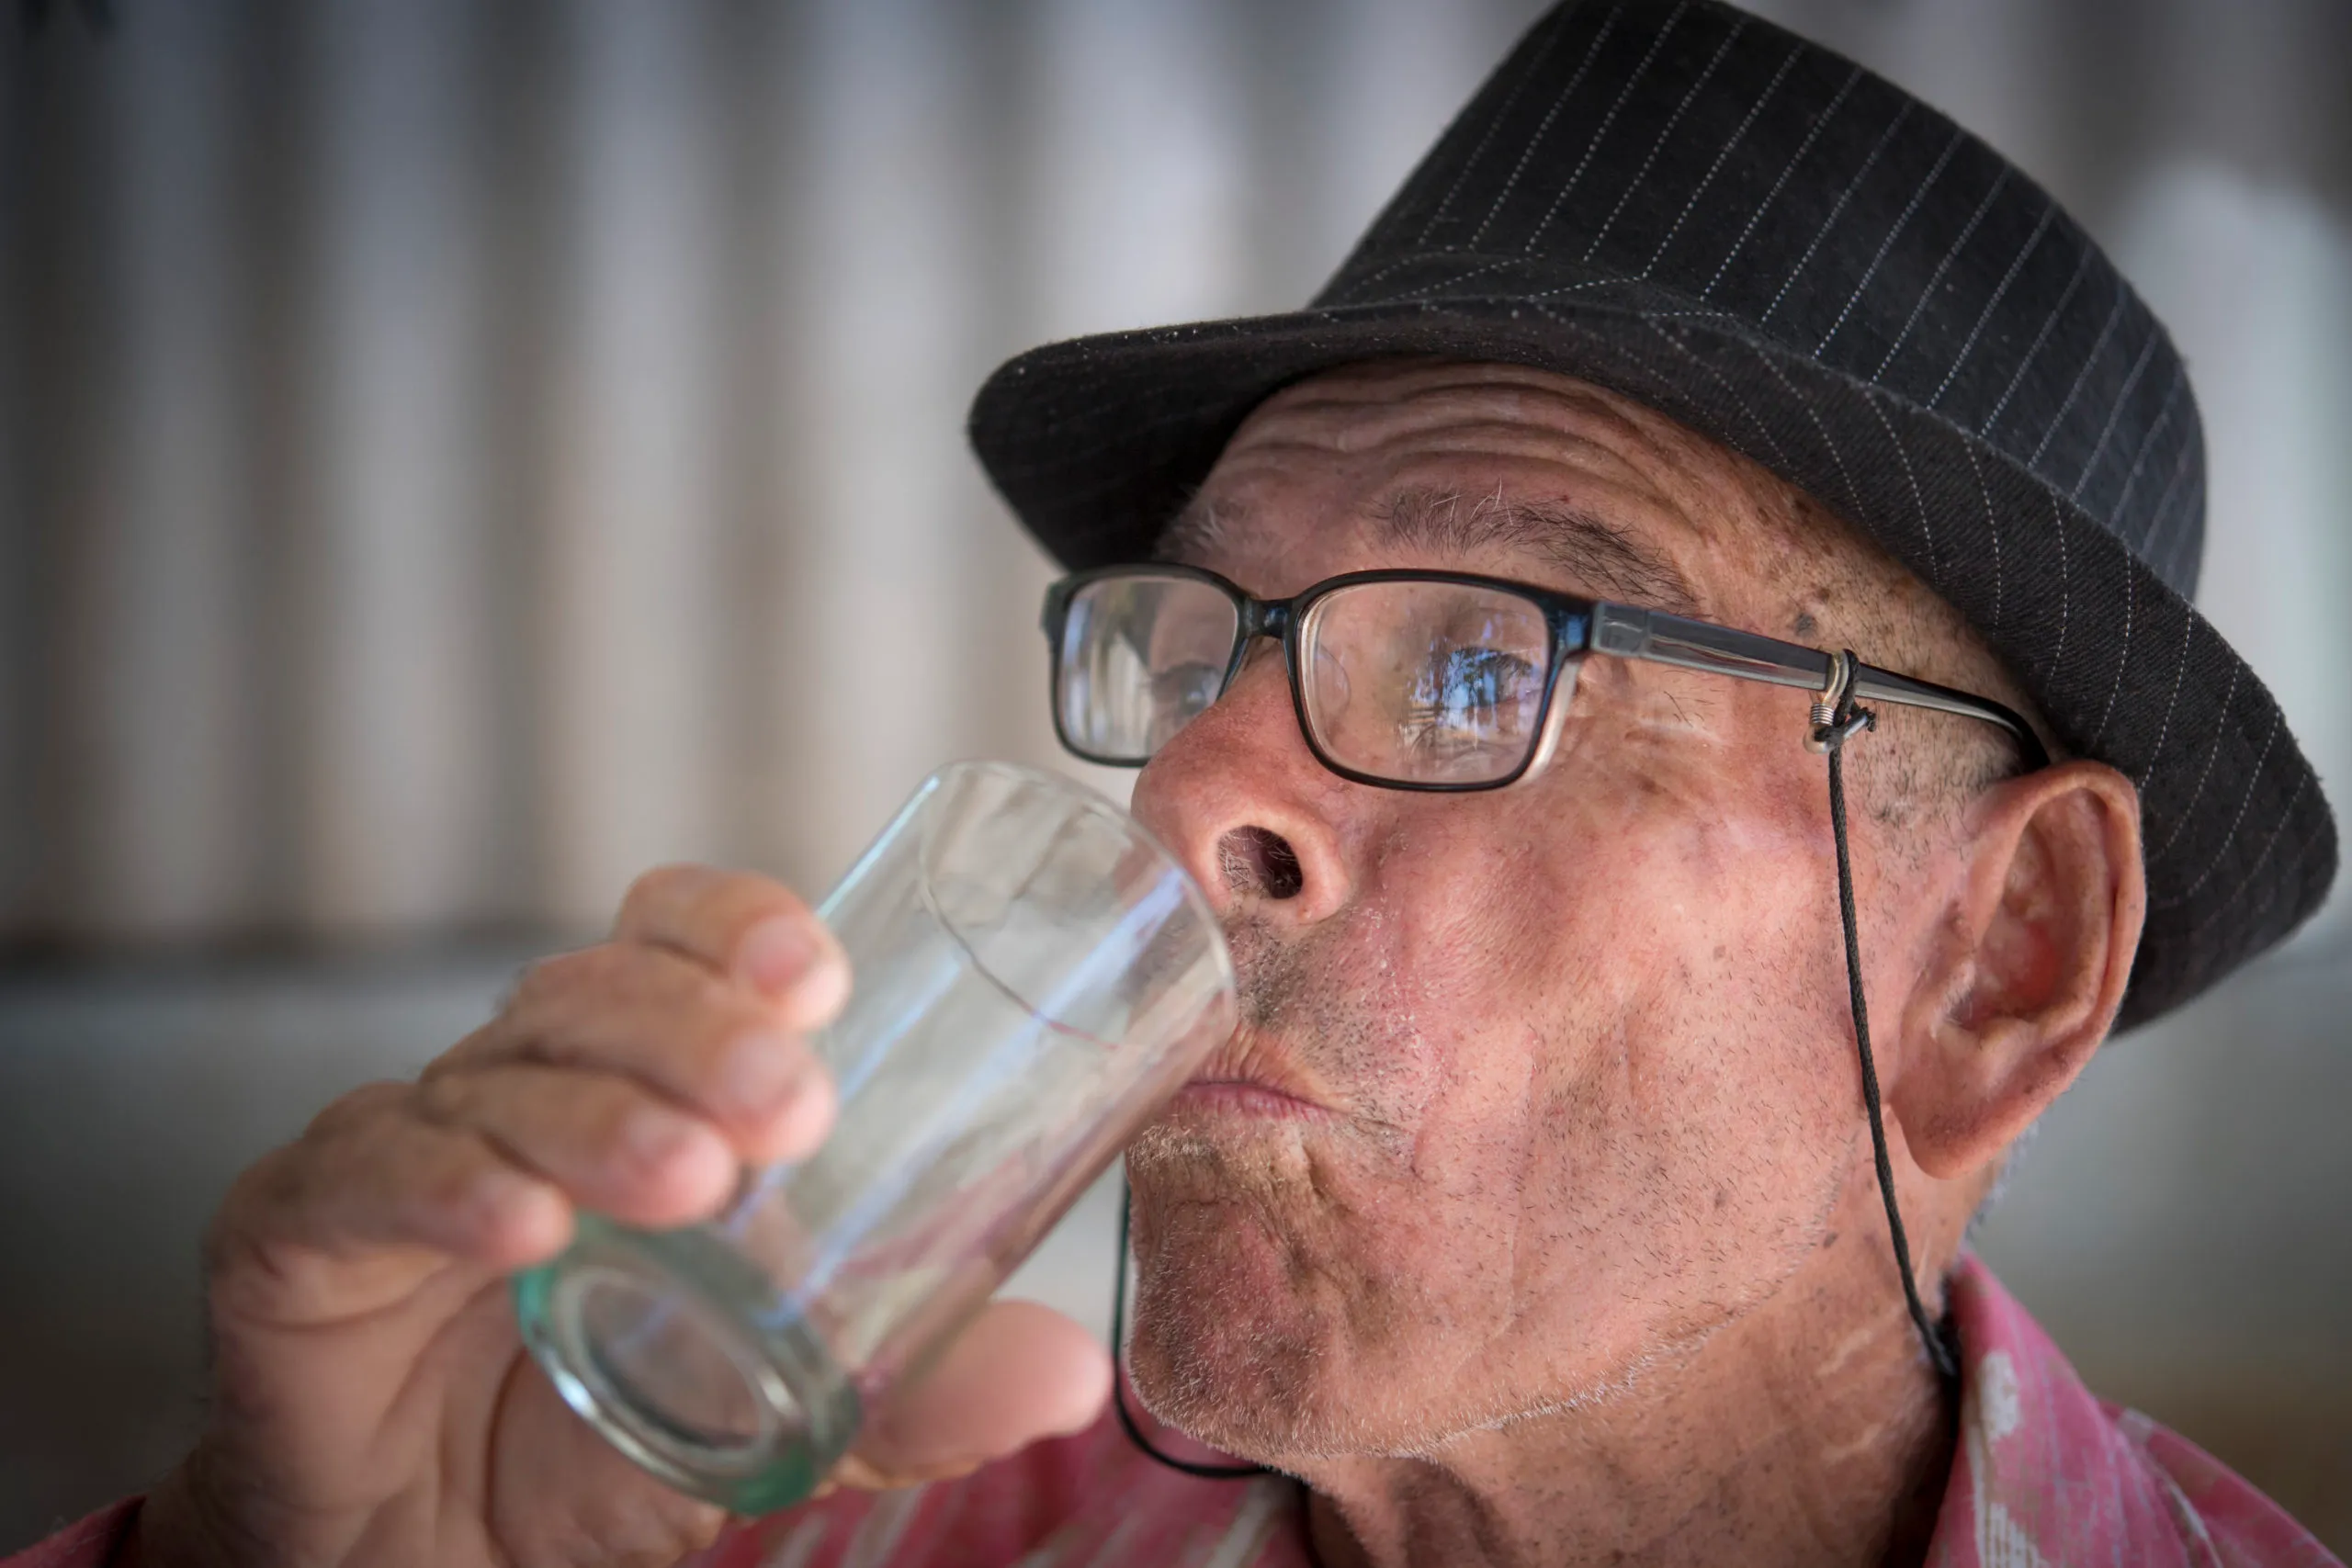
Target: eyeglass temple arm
1625	632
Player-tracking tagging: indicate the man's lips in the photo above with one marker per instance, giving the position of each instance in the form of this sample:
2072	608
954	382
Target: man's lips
1239	1098
1244	1077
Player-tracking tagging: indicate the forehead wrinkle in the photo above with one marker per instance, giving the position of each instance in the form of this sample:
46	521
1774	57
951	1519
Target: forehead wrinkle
1401	414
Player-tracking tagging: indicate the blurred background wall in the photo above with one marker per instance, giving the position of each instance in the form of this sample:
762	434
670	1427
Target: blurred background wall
453	456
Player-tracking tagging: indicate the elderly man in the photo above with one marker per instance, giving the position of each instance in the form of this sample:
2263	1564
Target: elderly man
1642	992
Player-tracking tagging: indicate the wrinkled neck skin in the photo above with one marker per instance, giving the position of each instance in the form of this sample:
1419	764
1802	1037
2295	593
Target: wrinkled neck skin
1811	1431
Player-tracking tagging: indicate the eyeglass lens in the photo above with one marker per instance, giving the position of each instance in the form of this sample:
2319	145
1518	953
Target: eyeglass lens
1141	656
1409	681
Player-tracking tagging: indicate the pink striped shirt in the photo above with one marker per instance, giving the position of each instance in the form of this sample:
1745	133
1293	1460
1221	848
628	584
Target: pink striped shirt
2045	1474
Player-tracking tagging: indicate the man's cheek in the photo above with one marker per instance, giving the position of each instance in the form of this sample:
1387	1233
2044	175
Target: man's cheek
1468	935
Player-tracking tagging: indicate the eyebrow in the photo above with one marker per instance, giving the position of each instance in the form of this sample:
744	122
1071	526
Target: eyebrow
1602	555
1193	534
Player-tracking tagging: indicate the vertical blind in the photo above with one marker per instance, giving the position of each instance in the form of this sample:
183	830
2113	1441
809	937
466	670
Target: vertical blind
453	456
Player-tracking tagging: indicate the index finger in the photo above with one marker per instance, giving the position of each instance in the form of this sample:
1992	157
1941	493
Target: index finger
748	927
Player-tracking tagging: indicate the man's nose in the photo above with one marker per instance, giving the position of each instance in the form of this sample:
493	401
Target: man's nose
1238	798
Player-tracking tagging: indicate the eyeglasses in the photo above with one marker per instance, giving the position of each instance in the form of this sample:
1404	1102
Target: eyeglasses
1406	680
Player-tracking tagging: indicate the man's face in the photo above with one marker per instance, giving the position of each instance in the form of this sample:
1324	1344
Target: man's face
1572	1082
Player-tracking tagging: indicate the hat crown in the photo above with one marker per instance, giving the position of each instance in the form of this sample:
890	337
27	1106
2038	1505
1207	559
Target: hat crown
1689	157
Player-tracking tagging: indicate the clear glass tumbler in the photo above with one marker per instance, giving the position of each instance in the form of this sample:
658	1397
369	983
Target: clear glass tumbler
1031	977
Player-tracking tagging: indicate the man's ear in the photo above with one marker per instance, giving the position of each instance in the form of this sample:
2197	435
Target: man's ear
2030	968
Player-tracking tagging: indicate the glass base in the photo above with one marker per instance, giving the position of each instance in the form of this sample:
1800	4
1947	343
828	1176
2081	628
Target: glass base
673	1349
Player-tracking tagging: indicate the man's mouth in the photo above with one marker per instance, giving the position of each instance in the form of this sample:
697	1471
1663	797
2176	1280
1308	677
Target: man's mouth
1242	1077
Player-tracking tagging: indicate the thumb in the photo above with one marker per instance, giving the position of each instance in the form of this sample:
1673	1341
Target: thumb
1020	1372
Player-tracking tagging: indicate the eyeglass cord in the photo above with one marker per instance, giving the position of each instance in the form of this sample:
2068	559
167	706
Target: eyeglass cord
1119	1383
1846	721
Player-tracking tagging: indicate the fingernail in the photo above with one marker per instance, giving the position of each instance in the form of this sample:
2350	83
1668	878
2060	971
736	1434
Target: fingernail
760	1071
776	952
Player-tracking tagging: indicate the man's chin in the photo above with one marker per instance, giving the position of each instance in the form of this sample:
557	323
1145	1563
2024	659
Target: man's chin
1256	1332
1255	1329
1238	1381
1269	1388
1238	1342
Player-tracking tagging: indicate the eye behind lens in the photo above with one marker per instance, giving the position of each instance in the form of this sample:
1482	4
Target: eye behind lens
1143	653
1444	681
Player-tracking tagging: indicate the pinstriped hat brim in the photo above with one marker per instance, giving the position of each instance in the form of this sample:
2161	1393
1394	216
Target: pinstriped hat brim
2019	438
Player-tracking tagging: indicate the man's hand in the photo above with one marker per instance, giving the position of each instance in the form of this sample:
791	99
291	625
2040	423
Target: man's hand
372	1403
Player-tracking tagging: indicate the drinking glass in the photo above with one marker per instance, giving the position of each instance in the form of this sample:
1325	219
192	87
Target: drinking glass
1031	977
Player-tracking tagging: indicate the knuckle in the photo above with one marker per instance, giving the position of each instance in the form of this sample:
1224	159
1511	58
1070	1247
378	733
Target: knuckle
345	1115
613	1116
249	1199
225	1245
728	1026
661	888
556	993
658	980
679	1009
461	1057
440	1096
557	975
438	1167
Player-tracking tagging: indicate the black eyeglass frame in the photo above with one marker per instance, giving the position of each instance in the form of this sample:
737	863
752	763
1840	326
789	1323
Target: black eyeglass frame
1575	628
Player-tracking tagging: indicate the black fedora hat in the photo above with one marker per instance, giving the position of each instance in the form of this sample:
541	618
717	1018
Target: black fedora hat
1754	235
